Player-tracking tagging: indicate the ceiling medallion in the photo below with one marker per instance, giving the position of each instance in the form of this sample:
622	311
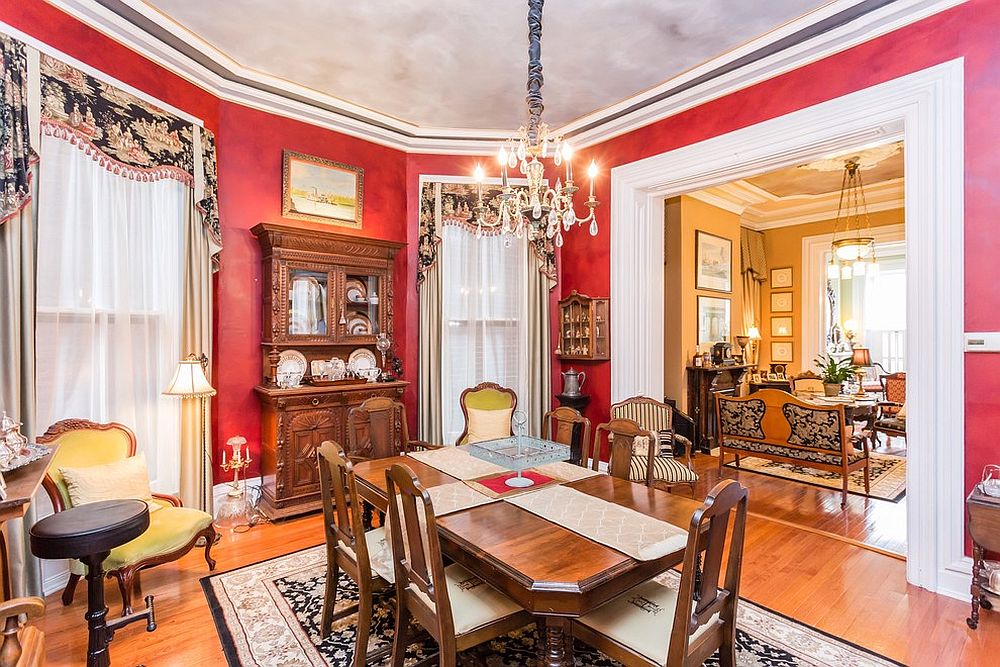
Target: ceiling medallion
535	209
852	251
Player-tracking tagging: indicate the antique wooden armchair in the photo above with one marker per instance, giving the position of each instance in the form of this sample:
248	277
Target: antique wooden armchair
807	382
455	607
378	429
700	615
484	398
891	417
173	529
567	426
23	645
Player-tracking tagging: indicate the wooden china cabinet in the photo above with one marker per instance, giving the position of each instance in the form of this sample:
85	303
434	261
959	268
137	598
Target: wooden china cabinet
325	295
584	328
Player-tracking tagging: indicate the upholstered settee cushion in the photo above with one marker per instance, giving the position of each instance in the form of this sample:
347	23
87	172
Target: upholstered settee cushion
813	428
742	418
892	424
170	528
127	478
665	469
474	603
488	424
791	452
641	619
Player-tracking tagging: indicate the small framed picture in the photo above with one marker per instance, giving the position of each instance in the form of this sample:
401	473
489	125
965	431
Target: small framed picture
781	327
781	302
781	278
713	262
781	351
713	319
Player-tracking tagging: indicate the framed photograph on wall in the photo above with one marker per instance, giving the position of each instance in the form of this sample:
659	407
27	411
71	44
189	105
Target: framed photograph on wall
781	327
713	262
781	302
321	190
781	351
781	278
713	319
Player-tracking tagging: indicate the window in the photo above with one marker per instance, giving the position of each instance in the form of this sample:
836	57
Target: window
110	257
484	308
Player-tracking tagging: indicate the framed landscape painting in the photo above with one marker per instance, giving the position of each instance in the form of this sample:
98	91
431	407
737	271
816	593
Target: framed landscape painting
713	319
320	190
713	262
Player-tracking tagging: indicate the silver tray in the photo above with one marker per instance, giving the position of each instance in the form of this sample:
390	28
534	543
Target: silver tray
518	453
29	453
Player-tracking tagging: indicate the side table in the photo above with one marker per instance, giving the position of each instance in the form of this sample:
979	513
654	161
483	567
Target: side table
984	528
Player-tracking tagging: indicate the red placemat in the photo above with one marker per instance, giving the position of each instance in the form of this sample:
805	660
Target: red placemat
495	486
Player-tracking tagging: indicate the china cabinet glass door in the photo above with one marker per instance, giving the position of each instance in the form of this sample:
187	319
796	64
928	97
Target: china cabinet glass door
361	314
308	302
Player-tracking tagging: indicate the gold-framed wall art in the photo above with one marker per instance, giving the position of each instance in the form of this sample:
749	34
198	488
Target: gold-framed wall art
321	190
781	351
781	302
781	327
781	278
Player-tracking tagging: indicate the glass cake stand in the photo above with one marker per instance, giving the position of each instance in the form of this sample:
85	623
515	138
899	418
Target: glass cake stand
518	453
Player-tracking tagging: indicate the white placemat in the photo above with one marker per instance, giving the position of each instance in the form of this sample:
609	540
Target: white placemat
632	533
457	462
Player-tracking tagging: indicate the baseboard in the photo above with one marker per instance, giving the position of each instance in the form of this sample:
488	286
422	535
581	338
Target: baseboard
954	580
56	581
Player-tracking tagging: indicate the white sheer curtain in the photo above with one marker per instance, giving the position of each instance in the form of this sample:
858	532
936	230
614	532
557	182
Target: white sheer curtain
110	260
883	308
484	308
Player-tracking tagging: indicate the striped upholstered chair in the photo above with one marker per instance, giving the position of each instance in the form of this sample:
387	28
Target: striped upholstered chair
656	417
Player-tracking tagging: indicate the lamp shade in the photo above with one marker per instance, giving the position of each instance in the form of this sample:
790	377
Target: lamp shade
861	356
753	333
189	380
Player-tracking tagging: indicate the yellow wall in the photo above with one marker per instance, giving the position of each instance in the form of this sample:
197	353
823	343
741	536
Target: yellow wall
783	247
684	216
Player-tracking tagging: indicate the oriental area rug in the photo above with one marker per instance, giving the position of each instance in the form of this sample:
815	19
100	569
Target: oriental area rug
887	475
268	614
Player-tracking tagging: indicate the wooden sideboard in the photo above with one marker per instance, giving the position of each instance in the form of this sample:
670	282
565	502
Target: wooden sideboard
294	423
702	385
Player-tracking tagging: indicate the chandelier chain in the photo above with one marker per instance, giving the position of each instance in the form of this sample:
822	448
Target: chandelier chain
535	78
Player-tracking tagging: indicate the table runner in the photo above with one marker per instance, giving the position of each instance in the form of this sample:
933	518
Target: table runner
568	472
621	528
457	462
456	496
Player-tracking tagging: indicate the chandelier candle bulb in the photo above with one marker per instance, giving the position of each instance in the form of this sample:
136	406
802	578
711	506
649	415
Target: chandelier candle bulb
567	155
592	173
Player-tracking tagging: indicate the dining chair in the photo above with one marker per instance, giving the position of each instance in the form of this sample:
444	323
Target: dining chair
378	429
807	382
97	462
365	558
634	454
567	426
455	607
657	624
487	409
891	416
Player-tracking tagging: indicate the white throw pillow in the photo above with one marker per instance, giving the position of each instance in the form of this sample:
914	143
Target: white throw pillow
488	424
119	480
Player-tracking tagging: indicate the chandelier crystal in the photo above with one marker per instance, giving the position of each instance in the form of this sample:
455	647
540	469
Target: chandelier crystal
852	252
535	209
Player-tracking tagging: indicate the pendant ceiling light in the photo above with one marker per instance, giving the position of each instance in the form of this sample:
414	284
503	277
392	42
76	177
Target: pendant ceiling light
852	252
537	208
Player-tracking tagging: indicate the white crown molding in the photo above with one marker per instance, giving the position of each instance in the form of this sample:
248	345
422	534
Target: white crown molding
297	102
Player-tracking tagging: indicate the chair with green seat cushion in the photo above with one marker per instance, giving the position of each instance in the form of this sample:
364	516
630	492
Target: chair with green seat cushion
477	402
173	529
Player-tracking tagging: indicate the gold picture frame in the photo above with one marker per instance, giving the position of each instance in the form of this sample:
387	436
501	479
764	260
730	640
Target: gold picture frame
781	327
781	302
321	190
781	278
782	351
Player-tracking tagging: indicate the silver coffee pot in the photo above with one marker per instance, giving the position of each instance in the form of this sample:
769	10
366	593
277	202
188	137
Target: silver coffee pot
573	382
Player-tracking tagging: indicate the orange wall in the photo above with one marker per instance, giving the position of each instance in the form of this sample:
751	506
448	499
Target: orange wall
783	247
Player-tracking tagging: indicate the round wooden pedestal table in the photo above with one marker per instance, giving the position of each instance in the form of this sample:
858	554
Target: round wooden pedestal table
88	533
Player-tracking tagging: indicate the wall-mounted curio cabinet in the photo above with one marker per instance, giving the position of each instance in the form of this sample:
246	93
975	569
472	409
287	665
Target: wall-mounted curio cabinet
584	328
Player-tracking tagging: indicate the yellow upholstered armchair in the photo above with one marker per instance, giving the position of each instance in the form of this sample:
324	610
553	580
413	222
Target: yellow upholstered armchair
173	529
487	408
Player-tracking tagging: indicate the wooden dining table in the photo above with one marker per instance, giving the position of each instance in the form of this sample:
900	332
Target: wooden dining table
551	571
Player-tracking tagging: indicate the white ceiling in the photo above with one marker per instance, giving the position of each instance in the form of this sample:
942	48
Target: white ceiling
462	64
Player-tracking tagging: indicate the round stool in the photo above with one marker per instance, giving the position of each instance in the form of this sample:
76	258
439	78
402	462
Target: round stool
89	533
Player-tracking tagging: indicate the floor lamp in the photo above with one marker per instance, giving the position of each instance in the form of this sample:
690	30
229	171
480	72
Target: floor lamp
189	381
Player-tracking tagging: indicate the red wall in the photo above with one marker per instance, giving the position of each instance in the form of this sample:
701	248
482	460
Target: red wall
968	31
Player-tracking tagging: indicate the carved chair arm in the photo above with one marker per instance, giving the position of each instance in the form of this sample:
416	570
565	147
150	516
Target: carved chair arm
31	607
172	499
422	445
11	648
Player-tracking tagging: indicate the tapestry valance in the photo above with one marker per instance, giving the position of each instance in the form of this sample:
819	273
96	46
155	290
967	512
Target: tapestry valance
752	256
15	148
452	204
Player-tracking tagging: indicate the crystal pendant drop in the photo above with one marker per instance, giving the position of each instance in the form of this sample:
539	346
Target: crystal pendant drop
507	240
536	210
545	148
520	232
557	156
593	227
569	217
522	152
511	159
559	239
479	231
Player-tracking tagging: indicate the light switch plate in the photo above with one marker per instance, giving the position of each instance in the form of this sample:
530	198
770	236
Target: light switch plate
982	341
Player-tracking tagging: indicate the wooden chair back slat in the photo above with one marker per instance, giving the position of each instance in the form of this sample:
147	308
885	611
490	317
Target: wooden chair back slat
377	429
700	596
620	435
341	506
568	427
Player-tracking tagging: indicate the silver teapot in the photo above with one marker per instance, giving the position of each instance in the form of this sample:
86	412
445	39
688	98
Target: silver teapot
573	382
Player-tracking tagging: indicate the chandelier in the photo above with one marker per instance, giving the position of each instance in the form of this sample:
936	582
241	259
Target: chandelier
535	209
852	251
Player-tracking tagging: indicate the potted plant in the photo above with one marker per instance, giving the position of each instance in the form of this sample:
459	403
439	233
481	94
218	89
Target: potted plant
834	372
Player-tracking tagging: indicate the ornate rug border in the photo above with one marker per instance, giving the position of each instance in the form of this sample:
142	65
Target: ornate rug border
732	466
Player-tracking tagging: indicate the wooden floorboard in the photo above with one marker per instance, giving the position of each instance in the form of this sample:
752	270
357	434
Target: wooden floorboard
838	586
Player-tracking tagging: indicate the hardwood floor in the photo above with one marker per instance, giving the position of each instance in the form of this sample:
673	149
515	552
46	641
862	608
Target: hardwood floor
827	581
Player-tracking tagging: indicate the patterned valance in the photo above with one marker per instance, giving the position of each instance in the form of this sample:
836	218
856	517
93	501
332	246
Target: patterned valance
128	135
451	204
15	148
752	256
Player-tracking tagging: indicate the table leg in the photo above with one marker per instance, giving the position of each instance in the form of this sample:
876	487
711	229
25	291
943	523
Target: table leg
557	643
977	564
99	635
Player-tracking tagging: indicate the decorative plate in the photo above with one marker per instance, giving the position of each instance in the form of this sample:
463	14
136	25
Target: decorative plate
291	368
361	360
358	324
356	291
30	452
